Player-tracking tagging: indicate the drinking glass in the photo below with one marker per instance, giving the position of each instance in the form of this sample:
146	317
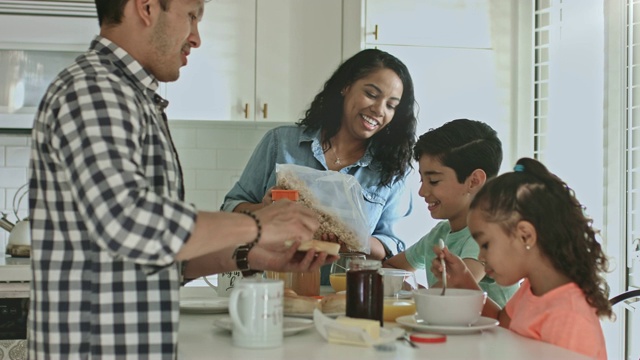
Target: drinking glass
338	272
398	288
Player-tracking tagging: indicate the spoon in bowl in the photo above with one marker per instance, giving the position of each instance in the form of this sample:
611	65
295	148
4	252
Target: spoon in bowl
444	269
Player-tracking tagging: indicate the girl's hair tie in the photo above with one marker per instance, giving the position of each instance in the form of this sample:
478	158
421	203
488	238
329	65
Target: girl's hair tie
518	168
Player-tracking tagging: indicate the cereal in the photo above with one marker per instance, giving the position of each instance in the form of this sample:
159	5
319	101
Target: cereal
329	223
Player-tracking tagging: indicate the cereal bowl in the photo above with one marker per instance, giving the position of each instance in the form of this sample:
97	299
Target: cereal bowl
458	307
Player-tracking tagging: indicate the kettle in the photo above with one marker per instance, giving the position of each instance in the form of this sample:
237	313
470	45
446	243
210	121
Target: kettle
20	234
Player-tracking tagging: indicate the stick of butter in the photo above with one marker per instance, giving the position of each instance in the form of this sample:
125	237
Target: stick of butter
351	331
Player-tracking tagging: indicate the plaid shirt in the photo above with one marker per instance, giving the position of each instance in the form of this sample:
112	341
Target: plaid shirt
106	214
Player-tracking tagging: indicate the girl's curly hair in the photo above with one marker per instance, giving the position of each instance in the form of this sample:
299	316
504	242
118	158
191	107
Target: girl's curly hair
392	146
565	234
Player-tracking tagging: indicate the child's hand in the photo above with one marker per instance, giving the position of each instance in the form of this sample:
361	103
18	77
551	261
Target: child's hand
458	275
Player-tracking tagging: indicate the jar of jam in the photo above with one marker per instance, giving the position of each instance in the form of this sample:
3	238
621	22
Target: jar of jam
364	290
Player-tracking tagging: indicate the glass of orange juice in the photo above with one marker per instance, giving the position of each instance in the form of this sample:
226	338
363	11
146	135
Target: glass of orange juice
338	272
394	308
398	288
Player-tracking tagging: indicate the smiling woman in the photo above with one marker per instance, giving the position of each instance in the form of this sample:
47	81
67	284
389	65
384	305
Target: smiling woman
363	124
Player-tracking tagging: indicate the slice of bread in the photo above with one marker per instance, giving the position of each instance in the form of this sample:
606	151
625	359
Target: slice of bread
334	304
296	305
318	245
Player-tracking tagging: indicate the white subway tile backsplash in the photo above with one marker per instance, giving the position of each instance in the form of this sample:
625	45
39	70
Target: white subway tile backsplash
204	200
17	156
233	159
20	199
198	158
13	177
189	177
15	140
183	137
213	155
214	179
223	138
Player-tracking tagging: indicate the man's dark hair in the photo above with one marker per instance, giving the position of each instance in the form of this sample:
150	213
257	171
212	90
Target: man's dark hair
110	11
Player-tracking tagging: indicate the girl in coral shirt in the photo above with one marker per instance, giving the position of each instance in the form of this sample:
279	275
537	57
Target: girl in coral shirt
529	225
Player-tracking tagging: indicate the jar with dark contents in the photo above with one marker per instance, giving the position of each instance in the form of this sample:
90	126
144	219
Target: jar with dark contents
364	290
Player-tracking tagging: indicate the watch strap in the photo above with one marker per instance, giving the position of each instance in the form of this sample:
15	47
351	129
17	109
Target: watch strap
241	256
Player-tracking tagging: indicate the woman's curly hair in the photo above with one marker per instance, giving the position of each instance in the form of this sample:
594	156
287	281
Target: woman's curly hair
565	234
392	146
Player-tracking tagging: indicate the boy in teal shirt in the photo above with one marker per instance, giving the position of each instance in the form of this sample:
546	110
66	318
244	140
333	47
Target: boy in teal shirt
454	161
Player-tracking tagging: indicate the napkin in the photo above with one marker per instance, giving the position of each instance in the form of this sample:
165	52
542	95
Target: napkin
335	332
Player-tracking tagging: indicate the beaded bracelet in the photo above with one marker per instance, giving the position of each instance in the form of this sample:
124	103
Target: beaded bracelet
255	218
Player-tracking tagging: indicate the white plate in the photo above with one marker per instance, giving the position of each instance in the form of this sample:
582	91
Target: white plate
212	305
290	326
482	324
310	315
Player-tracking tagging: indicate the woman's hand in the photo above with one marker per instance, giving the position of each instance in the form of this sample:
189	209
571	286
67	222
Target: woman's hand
268	199
458	275
288	259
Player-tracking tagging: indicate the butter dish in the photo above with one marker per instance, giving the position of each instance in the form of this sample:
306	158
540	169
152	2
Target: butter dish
344	333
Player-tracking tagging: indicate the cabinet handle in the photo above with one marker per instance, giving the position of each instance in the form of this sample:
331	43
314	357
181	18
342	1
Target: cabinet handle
246	110
264	110
375	33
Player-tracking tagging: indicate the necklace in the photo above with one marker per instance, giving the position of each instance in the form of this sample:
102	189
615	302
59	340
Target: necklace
337	162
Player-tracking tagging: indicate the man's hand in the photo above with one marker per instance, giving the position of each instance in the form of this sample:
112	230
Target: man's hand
288	259
286	220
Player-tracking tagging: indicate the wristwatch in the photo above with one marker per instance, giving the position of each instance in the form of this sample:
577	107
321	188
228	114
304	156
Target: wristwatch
241	256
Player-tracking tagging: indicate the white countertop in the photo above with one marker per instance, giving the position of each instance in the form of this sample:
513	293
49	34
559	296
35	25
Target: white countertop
15	269
199	338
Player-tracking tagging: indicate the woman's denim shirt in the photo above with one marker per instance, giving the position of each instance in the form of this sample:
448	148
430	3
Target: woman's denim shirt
292	144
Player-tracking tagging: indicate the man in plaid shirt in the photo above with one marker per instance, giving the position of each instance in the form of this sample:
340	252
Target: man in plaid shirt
110	228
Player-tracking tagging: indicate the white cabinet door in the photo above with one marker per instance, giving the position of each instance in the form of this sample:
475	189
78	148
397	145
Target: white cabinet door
219	79
299	45
429	23
268	55
50	33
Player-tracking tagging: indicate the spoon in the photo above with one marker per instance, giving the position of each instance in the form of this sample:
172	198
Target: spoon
444	269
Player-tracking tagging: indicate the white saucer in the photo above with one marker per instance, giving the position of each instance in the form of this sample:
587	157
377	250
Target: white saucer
290	326
310	315
482	324
212	305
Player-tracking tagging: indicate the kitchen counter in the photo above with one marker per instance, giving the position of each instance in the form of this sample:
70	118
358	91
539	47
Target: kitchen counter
15	269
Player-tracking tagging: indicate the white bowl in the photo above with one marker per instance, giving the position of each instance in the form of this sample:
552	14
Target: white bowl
458	307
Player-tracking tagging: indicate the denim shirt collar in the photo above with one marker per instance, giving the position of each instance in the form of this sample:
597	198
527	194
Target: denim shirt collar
314	136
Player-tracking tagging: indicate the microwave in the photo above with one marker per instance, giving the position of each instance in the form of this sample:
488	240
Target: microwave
31	57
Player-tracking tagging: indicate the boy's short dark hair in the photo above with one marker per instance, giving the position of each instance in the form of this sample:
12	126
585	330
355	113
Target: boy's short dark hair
463	145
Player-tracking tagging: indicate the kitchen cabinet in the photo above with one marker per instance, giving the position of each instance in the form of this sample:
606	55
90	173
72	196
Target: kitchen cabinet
458	53
31	56
259	60
443	23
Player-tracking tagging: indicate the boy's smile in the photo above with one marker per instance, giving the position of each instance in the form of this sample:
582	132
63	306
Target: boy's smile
446	198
